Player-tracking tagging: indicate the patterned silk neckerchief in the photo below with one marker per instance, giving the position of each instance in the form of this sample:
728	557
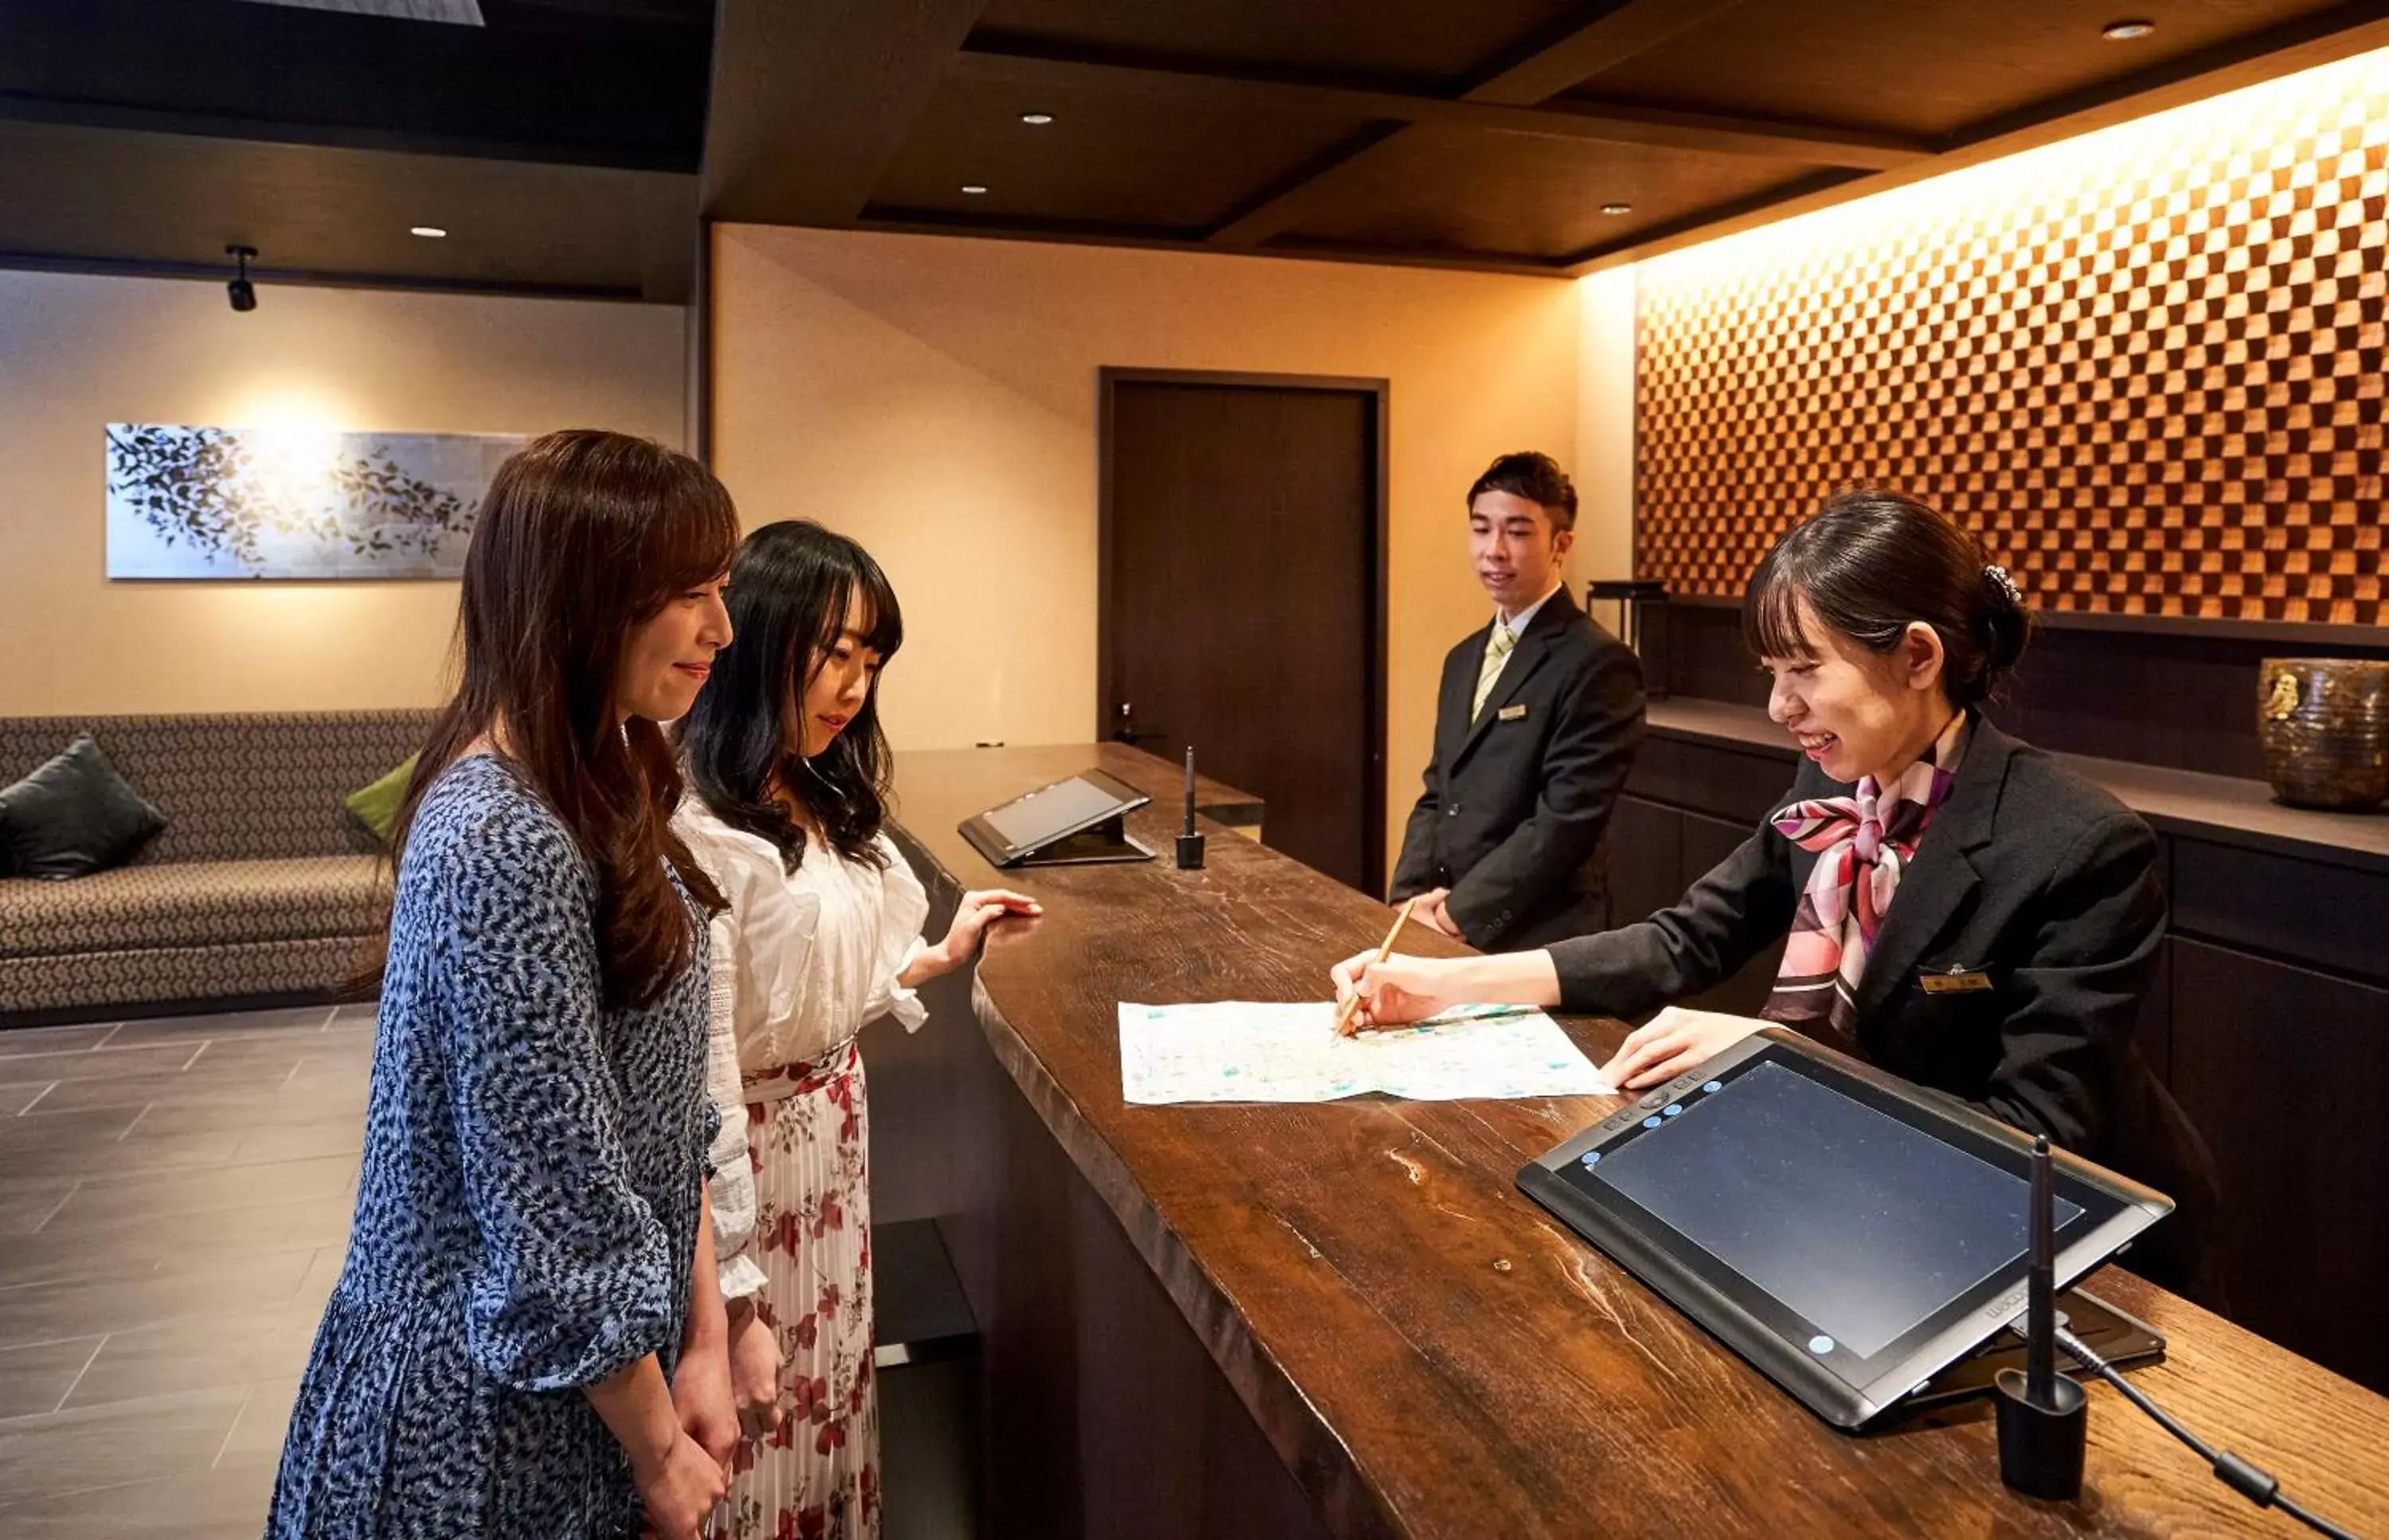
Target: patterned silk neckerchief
1863	843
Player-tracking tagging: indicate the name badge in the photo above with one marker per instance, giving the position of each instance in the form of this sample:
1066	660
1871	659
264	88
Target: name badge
1957	981
1511	714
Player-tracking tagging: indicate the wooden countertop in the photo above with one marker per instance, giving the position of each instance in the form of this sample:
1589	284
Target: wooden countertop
1426	1351
2219	807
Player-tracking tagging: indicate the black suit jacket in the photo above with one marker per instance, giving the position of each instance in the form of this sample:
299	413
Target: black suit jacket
2028	873
1517	799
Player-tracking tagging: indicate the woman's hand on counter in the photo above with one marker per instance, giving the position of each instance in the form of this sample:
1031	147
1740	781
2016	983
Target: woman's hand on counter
979	909
1672	1042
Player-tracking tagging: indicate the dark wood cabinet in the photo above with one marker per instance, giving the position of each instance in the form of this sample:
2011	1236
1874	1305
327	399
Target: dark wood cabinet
2285	1070
1645	860
1655	852
1707	841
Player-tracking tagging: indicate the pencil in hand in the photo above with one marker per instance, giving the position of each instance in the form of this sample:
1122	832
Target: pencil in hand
1344	1027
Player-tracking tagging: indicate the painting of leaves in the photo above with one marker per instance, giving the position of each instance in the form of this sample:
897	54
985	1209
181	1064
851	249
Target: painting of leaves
293	502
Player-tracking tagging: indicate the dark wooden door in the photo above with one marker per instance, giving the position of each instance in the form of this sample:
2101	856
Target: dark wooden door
1241	604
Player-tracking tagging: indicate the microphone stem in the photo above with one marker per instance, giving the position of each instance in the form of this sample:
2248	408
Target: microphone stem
2040	1338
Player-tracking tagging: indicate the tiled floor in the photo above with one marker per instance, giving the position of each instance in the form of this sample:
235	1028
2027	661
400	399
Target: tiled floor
175	1198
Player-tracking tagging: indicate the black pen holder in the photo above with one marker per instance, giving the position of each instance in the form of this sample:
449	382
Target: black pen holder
1190	852
2040	1447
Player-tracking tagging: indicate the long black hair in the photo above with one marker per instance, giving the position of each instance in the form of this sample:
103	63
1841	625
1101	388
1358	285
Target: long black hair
791	584
1870	562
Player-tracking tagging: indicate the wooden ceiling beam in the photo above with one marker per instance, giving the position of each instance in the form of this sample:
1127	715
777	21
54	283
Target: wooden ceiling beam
1544	68
1587	47
2322	37
810	101
1807	143
938	222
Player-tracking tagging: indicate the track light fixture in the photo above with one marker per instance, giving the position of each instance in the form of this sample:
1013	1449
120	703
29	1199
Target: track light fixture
240	291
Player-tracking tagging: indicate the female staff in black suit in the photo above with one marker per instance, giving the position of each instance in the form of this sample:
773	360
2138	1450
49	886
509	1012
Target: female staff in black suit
1960	909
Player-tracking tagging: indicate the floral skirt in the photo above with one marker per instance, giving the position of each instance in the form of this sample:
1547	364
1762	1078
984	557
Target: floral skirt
818	1477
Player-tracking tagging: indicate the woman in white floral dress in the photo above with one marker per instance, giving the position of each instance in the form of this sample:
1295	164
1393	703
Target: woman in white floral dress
788	773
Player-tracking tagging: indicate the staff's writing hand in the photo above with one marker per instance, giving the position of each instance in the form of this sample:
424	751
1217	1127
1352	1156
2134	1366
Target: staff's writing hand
1398	990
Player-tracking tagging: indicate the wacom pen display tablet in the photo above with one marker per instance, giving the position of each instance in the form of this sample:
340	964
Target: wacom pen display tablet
1845	1231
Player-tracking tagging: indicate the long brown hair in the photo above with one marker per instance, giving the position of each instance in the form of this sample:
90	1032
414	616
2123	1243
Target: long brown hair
584	536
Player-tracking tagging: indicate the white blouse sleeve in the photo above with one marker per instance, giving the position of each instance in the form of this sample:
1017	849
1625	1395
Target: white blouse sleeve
903	909
732	1188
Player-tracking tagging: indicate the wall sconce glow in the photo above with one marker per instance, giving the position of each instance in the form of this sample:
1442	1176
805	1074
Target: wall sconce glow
1613	210
1037	120
2126	31
974	189
290	415
428	231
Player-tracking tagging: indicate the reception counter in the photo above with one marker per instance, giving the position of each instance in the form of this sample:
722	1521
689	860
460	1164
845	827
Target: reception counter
1343	1320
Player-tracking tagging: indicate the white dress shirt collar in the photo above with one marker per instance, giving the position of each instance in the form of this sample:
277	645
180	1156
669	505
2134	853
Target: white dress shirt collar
1518	623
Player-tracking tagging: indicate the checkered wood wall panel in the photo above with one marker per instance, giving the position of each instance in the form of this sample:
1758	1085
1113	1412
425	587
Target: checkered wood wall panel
2146	367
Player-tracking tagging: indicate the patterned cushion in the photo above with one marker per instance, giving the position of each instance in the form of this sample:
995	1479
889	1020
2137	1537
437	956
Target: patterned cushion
93	986
194	904
235	787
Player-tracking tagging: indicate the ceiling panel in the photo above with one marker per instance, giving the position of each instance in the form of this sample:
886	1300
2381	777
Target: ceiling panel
101	196
1422	42
1130	161
1447	190
1923	69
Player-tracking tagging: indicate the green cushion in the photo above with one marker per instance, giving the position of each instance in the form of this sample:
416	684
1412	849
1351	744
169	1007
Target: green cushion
375	807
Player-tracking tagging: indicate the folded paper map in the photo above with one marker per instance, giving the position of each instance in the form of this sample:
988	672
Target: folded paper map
1236	1052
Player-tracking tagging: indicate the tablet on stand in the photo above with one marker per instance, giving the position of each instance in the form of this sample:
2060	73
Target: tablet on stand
1850	1234
1075	822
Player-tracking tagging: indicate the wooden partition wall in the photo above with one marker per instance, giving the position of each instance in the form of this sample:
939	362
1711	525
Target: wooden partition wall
2145	364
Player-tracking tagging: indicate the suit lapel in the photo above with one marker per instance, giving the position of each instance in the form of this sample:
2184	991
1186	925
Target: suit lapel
1533	648
1943	876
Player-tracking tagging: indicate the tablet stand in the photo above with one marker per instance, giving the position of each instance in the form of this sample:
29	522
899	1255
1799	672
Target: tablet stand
1107	843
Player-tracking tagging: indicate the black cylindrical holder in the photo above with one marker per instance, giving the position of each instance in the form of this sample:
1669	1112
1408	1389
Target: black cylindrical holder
1190	852
2040	1447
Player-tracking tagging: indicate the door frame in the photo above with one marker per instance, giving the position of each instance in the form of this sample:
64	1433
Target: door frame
1108	378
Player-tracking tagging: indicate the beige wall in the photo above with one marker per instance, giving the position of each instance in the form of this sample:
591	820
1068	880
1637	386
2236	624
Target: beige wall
77	353
1604	426
935	398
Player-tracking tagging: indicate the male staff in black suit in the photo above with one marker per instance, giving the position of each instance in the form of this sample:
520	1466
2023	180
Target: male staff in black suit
1537	724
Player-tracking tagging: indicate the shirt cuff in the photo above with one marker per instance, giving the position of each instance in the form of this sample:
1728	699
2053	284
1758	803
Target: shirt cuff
903	1004
741	1275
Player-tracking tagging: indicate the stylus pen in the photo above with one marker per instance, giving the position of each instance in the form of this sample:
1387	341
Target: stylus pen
2040	1303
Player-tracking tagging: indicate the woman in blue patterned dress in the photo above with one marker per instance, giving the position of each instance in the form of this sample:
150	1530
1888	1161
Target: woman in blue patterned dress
527	1338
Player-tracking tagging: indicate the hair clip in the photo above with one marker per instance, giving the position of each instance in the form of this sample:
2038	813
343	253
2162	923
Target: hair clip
2005	584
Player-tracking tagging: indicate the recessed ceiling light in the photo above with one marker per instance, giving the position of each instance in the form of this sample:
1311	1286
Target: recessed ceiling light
1617	208
973	188
1037	120
2124	32
428	231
